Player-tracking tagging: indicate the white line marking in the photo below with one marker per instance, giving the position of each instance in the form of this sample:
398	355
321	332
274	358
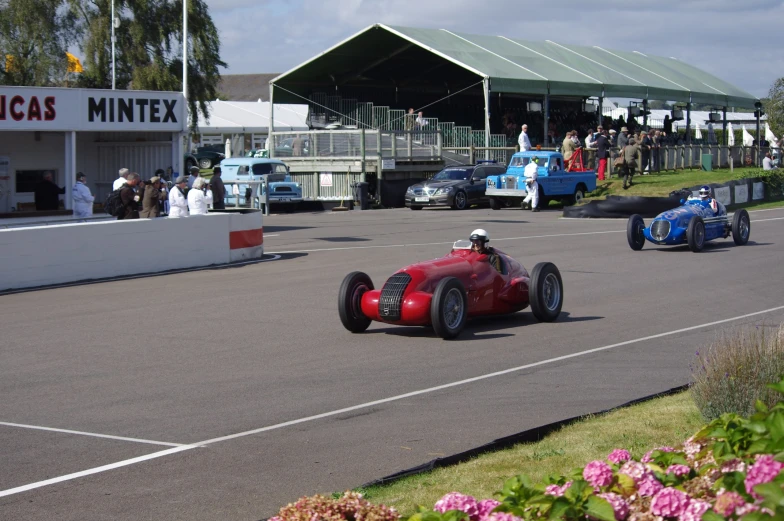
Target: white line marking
96	470
480	378
441	243
366	405
771	219
271	235
91	434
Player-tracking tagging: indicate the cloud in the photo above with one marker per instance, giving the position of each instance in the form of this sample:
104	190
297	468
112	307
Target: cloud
730	39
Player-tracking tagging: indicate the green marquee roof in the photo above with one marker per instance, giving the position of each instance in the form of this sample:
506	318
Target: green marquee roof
524	67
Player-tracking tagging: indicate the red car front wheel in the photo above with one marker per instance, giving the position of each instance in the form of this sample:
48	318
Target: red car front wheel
350	294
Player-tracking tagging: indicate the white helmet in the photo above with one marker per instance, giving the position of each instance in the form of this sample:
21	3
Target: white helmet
479	235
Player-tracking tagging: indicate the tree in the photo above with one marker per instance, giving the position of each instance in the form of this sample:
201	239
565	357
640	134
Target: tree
774	107
34	36
148	50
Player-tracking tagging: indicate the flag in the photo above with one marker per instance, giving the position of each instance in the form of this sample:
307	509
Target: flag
74	65
9	63
697	131
730	135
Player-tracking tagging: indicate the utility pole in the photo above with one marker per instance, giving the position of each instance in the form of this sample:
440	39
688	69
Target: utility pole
114	22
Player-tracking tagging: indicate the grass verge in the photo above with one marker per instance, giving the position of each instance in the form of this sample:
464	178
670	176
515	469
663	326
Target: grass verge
638	428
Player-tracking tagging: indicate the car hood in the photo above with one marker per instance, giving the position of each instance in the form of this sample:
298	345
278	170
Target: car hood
438	184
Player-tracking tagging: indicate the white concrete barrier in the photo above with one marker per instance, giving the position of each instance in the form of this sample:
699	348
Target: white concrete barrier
45	255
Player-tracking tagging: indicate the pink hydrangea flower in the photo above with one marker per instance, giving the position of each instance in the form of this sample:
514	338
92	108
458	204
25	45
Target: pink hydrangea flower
733	465
555	490
746	508
727	502
458	501
691	447
502	516
694	510
649	486
635	470
619	456
598	473
619	505
647	458
486	506
764	470
679	470
669	502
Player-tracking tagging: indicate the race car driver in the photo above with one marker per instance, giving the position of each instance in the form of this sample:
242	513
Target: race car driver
479	239
705	196
531	185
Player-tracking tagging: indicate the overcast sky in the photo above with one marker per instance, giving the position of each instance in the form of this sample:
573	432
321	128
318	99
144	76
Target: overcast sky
737	40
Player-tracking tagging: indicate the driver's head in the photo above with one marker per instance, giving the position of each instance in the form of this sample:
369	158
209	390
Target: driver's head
535	160
705	192
479	239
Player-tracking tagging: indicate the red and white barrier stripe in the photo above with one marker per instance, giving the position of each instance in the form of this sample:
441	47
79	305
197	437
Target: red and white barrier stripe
246	236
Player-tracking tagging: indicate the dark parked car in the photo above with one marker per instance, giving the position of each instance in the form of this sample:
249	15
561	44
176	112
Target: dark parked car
205	157
456	186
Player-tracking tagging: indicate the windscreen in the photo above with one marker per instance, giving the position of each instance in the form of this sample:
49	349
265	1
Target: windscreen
452	174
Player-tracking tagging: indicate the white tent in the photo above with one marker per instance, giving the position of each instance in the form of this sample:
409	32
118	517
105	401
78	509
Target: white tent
748	139
248	117
770	137
730	135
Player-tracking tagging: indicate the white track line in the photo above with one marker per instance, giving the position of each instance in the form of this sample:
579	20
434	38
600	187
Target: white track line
342	248
374	403
91	434
440	243
96	470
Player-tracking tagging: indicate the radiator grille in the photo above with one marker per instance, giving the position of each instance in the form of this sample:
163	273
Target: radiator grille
511	182
392	296
660	230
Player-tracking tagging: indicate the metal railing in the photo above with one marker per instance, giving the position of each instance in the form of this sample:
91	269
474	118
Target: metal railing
357	144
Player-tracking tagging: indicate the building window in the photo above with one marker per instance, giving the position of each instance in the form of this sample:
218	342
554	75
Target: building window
27	179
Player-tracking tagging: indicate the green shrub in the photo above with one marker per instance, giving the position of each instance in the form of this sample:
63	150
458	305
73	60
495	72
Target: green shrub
733	373
773	180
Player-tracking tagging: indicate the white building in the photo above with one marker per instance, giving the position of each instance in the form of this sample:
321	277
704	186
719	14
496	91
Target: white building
84	130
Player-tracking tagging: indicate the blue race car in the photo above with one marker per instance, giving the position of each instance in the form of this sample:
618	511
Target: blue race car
694	223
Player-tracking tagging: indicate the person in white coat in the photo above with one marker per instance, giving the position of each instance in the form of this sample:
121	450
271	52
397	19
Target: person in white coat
120	181
523	141
531	185
199	197
178	203
82	198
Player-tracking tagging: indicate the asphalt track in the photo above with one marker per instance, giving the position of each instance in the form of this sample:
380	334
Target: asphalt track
226	393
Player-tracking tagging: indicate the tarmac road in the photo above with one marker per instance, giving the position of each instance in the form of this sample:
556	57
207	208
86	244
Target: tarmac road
226	393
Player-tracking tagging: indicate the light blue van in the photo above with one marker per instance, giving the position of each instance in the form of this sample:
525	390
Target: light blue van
282	188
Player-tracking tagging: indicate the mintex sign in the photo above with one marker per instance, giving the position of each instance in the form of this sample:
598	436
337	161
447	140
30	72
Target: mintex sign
23	108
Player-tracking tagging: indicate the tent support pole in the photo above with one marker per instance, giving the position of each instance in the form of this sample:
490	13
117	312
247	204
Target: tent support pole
688	123
645	114
599	115
486	87
271	125
546	110
724	140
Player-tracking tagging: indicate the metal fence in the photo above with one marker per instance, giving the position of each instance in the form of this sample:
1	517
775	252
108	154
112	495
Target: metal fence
356	144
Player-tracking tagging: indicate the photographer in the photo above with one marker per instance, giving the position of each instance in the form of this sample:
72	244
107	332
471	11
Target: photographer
199	197
153	196
178	202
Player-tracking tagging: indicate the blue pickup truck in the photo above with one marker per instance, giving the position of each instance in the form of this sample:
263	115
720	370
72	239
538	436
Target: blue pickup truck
555	183
238	169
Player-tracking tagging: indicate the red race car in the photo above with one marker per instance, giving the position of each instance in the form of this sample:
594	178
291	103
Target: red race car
470	281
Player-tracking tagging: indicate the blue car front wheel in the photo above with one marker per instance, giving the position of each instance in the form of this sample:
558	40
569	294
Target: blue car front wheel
695	234
634	232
